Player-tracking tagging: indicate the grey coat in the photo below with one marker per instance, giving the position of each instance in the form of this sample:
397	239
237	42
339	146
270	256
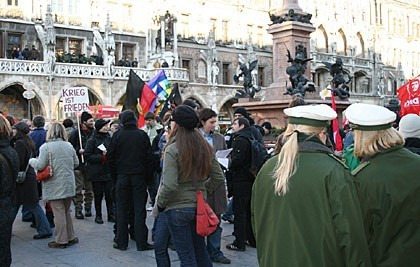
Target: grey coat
64	159
218	200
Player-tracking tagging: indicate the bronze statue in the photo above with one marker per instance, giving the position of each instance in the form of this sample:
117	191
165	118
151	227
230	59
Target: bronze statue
339	83
250	87
296	72
290	16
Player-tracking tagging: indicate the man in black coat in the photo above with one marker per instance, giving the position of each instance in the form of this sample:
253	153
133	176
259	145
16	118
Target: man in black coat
129	157
82	178
242	181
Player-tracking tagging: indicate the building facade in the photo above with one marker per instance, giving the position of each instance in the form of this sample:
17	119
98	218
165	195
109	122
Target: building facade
377	40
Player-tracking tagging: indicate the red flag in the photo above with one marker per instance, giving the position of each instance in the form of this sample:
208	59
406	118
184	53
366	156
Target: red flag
409	95
146	99
336	133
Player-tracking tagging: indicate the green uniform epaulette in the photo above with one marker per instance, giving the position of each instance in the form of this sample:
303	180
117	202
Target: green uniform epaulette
360	167
339	160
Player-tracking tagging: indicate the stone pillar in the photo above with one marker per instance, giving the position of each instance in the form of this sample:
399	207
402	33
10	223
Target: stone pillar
162	35
175	43
287	35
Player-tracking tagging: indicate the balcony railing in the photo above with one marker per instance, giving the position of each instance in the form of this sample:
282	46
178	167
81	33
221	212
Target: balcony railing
26	67
347	60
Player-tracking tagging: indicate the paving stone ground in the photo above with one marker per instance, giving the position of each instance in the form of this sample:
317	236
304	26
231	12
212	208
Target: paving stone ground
95	248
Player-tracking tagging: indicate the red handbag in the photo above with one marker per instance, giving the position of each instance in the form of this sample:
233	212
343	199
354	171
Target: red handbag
46	173
207	220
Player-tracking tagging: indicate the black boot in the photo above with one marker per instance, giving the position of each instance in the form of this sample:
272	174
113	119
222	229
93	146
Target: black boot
88	212
79	215
98	219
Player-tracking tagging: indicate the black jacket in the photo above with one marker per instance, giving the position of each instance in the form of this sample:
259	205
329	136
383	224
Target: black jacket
129	151
26	192
413	144
242	156
74	140
97	166
7	183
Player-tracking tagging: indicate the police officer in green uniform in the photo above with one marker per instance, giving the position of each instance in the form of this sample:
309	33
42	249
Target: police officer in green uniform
305	210
388	183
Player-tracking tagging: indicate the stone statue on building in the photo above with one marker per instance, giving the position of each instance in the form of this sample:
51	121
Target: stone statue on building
250	88
50	39
296	72
339	83
210	57
214	72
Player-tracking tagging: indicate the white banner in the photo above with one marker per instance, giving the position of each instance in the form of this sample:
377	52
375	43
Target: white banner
75	99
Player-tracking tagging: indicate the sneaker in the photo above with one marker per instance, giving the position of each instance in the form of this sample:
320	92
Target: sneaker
223	260
74	241
234	247
79	215
54	244
98	220
149	209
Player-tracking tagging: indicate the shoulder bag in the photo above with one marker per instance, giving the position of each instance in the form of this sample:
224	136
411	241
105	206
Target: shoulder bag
21	177
46	173
206	220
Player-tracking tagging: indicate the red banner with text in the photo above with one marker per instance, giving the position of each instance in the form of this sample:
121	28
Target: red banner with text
409	95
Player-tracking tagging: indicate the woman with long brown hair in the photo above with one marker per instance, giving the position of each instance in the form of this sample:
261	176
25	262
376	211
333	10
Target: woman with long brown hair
189	165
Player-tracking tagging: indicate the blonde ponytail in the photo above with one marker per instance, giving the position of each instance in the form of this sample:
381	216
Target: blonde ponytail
286	164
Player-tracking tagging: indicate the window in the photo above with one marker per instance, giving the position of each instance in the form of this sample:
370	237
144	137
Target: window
75	46
185	25
260	36
128	51
225	30
186	64
73	6
213	25
1	45
261	76
12	2
226	73
57	6
13	40
60	47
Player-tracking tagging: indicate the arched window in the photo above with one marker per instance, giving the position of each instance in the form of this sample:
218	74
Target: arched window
361	47
322	45
202	69
342	43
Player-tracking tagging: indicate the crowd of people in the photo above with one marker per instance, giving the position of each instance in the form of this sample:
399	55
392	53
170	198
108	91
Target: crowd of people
26	54
309	205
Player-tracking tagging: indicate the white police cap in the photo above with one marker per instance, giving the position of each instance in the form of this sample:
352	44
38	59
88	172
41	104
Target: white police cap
312	115
367	117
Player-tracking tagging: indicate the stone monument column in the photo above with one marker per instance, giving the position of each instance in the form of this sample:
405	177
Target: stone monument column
290	28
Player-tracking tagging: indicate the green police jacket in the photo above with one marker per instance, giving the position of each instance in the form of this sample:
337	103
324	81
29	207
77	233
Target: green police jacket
317	222
389	191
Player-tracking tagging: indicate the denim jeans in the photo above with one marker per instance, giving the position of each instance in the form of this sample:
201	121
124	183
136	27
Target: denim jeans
162	237
229	213
42	224
213	243
190	247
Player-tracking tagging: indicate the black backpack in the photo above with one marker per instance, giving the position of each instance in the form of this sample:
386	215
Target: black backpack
259	155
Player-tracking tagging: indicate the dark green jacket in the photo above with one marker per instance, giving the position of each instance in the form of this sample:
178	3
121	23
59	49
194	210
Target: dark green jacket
389	190
317	222
180	192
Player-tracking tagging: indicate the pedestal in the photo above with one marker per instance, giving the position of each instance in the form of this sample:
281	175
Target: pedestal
286	35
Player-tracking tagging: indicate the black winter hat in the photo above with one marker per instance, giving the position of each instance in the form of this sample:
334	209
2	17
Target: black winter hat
85	116
185	116
128	116
242	111
149	115
100	123
22	126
